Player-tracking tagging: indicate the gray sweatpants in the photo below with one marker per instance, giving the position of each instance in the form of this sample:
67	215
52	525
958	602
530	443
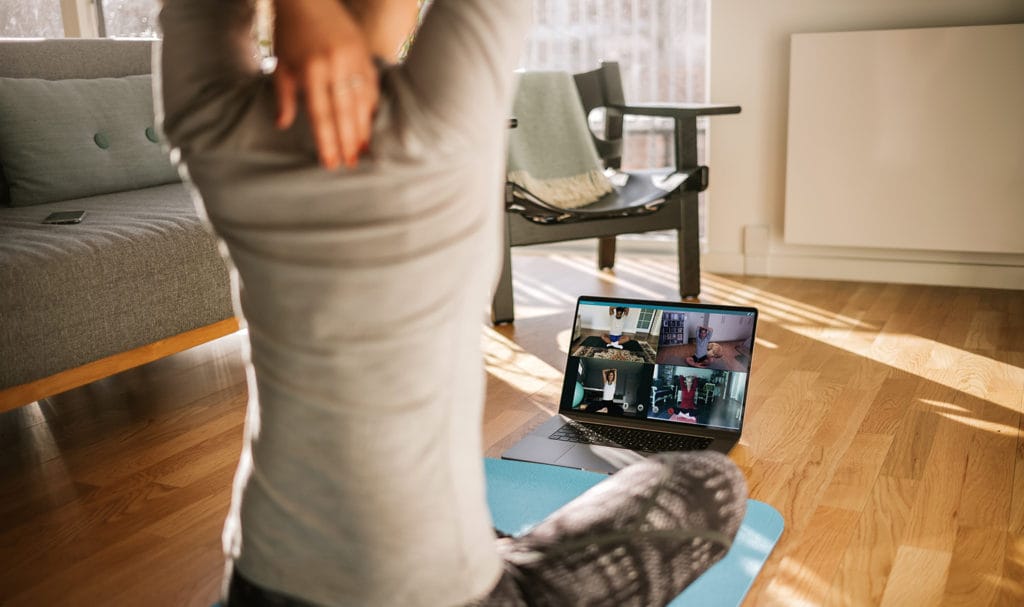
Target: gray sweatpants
361	479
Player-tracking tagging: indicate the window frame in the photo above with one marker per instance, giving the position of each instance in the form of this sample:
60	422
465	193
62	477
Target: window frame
80	18
83	18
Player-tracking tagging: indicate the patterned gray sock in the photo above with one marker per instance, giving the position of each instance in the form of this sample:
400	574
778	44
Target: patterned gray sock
637	539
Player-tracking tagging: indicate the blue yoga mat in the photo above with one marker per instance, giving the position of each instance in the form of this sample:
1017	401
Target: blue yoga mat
521	495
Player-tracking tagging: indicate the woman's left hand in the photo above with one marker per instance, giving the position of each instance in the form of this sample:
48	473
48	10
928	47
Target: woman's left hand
323	54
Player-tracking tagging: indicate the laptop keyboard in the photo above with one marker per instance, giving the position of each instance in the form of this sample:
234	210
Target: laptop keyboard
644	441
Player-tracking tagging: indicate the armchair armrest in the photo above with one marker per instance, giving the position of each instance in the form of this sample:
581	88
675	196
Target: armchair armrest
685	117
676	110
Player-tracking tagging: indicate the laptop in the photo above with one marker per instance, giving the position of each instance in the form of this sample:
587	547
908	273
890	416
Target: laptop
646	376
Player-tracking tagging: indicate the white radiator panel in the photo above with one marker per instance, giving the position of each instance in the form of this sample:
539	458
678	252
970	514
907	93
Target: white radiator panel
907	139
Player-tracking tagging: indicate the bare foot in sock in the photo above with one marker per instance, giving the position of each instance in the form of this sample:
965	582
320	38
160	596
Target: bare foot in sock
637	539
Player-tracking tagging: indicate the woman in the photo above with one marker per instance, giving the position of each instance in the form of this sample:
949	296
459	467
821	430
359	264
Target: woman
700	355
608	394
687	393
353	425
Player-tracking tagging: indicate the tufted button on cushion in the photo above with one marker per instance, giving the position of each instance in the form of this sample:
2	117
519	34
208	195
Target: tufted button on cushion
101	141
151	134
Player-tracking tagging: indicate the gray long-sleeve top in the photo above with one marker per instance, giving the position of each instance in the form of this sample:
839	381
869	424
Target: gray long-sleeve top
361	479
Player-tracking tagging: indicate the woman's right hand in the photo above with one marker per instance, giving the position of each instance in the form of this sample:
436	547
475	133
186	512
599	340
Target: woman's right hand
322	53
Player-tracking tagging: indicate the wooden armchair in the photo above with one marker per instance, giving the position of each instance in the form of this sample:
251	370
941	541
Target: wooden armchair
637	205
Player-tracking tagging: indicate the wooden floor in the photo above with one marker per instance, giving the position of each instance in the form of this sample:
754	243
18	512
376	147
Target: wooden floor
884	422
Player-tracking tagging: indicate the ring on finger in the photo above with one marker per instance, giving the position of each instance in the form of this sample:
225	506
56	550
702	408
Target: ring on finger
351	83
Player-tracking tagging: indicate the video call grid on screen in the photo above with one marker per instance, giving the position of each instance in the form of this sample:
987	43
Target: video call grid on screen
678	363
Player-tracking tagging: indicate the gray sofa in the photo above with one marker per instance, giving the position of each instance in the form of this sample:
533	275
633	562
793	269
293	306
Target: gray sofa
141	268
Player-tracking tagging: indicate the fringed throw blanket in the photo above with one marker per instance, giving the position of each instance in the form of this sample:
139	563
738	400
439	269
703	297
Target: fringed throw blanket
551	153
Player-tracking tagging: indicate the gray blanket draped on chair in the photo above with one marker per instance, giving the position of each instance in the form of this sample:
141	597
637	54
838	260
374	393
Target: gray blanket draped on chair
551	153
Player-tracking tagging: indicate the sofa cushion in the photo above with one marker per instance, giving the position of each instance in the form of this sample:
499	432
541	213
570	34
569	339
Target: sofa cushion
139	268
64	139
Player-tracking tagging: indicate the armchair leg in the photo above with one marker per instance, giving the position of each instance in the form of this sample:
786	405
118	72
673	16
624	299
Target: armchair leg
689	248
502	306
606	253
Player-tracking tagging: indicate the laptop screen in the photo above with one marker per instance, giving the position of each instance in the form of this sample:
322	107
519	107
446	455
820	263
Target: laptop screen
674	363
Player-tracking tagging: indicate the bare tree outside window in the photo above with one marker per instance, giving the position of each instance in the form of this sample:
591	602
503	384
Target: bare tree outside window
129	18
36	19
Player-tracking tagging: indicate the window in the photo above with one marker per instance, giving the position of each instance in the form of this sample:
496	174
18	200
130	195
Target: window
643	323
114	18
38	19
662	50
661	47
128	18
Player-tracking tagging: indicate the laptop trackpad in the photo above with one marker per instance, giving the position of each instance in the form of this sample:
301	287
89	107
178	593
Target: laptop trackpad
599	458
537	449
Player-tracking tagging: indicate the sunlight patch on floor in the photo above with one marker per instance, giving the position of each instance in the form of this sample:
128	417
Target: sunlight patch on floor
795	584
980	424
544	290
563	339
505	360
949	407
535	294
45	449
772	305
651	270
964	371
952	367
618	279
972	374
524	312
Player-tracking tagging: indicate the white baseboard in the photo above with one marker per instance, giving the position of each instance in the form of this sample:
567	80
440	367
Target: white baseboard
943	273
981	276
977	275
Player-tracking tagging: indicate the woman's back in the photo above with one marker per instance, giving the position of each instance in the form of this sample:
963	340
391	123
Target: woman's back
363	290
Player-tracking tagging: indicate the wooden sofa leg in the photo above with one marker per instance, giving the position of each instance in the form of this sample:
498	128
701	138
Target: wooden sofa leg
606	253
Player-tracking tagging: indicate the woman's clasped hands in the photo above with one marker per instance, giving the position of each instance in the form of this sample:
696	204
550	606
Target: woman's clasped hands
324	56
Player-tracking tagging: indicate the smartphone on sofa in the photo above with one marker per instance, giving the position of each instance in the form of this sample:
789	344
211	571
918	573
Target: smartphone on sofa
65	217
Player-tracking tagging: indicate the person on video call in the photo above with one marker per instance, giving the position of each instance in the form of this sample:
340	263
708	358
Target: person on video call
609	385
614	339
607	403
687	410
398	225
703	341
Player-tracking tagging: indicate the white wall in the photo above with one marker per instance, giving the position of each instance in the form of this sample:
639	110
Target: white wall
747	155
891	132
597	318
724	327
